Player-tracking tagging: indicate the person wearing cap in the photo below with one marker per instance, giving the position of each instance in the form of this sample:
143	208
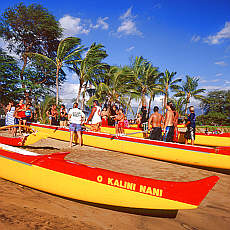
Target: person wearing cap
76	117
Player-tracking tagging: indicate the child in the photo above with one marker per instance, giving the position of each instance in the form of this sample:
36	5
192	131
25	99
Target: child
28	113
120	122
191	126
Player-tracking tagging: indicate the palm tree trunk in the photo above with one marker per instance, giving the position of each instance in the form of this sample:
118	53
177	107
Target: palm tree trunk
138	109
165	103
129	102
150	102
83	97
79	93
186	106
21	75
57	85
79	90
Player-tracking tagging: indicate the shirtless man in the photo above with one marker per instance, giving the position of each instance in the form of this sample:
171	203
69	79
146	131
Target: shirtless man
155	121
168	124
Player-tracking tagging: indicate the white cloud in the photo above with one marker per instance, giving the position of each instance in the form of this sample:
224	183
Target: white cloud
227	82
128	25
220	36
72	26
215	80
68	92
130	48
221	63
195	38
74	76
101	23
215	87
219	74
127	14
205	81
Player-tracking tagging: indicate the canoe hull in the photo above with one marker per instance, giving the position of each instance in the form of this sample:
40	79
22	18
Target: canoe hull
201	139
200	156
51	173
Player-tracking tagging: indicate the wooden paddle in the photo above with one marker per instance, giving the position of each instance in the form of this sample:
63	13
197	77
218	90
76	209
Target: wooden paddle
127	134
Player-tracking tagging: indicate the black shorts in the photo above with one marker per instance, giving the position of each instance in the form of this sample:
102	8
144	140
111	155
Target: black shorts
54	121
63	119
156	134
22	118
190	133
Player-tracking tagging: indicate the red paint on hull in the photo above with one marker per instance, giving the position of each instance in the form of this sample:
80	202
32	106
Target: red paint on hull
13	141
187	192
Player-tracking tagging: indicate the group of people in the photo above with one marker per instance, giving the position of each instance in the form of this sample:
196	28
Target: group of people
18	115
54	116
96	118
161	128
168	125
107	117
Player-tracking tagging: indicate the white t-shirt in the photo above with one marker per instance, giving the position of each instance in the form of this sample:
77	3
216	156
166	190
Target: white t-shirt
76	115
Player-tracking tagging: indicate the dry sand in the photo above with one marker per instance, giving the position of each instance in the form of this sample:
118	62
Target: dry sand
23	208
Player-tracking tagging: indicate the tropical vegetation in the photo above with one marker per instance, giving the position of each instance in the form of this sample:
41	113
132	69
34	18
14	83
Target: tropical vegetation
44	59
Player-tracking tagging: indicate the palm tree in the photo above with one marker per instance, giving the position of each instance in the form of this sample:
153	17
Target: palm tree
189	90
179	104
88	67
68	49
167	83
145	77
43	107
114	87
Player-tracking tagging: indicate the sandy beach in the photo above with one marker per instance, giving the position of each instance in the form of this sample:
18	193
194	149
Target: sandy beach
23	208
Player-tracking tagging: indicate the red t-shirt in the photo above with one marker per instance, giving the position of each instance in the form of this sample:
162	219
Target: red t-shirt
21	114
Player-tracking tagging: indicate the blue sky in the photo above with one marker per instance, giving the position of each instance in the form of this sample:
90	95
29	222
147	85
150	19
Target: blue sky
191	37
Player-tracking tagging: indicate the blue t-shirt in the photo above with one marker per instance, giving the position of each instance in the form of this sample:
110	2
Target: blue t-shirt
192	119
28	113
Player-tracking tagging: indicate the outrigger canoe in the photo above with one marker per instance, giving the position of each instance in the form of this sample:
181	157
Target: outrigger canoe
214	140
53	174
218	158
25	140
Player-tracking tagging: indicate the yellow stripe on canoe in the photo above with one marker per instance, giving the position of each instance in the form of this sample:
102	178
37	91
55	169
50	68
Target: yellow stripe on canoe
82	189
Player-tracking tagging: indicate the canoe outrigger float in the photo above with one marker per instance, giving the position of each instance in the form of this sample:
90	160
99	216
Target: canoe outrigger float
186	154
53	174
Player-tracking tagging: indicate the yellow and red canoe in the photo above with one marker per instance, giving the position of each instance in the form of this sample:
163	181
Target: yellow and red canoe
52	173
186	154
25	140
214	140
